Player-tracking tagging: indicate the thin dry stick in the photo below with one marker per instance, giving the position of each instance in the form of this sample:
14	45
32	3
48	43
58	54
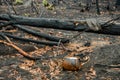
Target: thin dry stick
34	7
9	9
25	54
78	34
14	9
58	46
114	19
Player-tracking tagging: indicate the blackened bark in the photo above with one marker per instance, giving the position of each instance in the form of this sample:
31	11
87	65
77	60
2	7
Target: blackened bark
97	7
117	4
43	22
31	40
113	29
43	35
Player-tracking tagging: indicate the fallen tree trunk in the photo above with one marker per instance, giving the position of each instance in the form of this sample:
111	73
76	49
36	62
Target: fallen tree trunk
75	25
113	29
42	22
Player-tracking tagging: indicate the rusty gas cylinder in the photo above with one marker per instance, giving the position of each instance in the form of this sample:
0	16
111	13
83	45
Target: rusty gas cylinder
71	63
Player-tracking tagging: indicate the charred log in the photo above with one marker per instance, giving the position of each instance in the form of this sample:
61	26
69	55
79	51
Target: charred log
43	22
74	25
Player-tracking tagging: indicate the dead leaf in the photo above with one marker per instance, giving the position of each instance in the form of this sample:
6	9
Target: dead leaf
90	74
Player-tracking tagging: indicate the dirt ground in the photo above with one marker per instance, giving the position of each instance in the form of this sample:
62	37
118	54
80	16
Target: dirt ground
104	49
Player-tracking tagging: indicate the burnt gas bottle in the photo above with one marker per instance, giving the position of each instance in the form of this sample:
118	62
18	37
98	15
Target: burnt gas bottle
71	63
74	63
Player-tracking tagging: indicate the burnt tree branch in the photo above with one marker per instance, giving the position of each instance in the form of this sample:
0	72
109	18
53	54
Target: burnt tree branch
30	40
43	35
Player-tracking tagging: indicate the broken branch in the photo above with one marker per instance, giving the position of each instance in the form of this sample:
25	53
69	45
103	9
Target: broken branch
25	54
48	37
30	40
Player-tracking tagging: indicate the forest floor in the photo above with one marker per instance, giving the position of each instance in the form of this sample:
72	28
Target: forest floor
103	49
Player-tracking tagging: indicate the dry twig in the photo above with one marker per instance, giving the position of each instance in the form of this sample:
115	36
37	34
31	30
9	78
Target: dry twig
10	43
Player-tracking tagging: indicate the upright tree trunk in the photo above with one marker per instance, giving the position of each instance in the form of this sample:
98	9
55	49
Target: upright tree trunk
97	7
88	4
117	3
108	5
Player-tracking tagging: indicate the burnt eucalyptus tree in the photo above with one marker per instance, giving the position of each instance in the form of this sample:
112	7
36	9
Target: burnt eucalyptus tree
117	3
88	4
97	7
